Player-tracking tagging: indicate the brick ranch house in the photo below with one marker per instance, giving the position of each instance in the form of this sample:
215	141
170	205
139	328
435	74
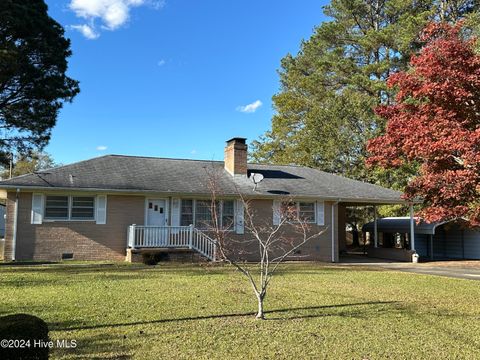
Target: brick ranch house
111	207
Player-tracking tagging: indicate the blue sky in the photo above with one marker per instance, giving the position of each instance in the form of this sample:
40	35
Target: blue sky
173	78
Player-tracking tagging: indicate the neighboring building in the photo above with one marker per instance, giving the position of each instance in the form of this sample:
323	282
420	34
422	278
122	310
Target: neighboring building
434	241
112	206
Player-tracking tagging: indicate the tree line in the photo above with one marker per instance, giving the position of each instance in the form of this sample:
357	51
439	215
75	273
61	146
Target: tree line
325	107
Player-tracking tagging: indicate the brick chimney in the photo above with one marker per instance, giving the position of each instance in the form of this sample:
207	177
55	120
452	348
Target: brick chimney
236	156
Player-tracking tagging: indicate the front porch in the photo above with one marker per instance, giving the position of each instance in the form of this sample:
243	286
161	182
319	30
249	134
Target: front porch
168	238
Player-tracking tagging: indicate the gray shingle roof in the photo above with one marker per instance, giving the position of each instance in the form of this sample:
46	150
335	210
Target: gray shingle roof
175	176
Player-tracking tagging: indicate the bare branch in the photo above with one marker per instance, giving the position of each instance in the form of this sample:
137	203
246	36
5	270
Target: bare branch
274	242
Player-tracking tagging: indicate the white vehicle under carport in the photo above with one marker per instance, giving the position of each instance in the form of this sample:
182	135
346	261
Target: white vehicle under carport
433	241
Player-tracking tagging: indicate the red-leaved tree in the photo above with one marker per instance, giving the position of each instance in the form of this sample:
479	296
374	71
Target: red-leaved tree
435	122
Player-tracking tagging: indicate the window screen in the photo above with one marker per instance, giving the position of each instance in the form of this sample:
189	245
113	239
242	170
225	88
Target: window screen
56	207
186	217
228	214
203	214
83	207
307	211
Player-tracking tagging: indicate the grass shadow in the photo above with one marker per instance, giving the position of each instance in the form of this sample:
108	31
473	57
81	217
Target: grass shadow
96	347
66	327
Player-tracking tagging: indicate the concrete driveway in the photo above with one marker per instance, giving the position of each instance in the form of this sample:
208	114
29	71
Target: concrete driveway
457	269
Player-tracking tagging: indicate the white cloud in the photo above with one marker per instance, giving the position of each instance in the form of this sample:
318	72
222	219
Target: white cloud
101	148
86	31
161	62
250	108
193	152
111	13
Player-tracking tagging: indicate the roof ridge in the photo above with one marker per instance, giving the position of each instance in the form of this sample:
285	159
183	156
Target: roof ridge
203	160
162	158
200	160
272	164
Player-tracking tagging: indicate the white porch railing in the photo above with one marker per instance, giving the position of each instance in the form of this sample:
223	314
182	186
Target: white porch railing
204	244
179	237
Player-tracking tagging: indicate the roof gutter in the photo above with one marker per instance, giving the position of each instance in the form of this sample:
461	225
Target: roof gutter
366	201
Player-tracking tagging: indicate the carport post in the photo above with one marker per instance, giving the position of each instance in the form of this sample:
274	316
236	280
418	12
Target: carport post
375	229
412	228
430	238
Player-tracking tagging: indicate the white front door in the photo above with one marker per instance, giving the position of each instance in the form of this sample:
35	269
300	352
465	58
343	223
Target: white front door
155	234
156	212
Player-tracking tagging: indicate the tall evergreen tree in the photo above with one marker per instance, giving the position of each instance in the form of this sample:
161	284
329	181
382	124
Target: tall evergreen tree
33	80
324	109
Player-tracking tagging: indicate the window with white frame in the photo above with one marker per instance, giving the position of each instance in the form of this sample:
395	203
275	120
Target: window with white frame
83	207
199	213
203	214
56	207
228	214
186	218
63	207
299	211
306	211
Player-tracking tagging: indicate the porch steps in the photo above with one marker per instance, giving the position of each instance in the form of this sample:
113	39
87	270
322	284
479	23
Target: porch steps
171	237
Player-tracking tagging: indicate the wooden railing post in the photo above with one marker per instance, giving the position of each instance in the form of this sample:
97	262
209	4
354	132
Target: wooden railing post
190	236
131	236
214	251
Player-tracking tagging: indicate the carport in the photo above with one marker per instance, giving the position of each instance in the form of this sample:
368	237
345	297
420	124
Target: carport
432	241
374	237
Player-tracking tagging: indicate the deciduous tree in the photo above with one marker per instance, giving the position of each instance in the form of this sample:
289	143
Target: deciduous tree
265	246
435	122
27	164
324	110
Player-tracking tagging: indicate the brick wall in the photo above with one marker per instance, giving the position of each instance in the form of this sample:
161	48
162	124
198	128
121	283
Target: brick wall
89	241
85	239
236	158
319	249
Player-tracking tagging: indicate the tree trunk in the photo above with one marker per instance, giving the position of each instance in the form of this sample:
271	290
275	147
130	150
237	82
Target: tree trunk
260	313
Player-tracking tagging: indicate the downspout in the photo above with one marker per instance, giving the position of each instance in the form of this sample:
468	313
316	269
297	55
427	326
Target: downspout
412	229
15	217
333	229
415	255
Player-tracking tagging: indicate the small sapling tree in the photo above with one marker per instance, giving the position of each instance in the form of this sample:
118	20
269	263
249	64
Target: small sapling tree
258	253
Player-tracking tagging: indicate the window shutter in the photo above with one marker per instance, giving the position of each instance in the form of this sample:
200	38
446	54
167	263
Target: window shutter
276	212
320	213
239	217
175	212
37	209
101	205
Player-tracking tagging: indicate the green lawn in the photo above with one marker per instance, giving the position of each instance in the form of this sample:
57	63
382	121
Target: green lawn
191	311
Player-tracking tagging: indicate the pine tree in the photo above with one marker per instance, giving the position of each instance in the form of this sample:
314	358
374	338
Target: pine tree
324	109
